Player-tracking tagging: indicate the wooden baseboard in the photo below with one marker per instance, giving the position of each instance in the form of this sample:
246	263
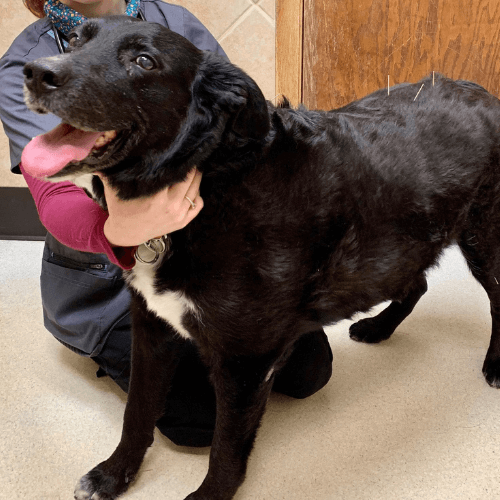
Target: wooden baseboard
18	215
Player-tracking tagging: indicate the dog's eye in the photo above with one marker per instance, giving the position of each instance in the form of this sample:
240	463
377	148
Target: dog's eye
145	62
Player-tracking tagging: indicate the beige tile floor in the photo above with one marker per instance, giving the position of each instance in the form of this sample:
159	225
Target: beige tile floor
408	419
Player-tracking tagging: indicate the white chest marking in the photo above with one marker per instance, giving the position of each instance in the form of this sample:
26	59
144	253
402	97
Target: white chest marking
83	180
168	305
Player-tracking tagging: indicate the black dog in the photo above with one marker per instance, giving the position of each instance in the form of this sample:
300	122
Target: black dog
309	216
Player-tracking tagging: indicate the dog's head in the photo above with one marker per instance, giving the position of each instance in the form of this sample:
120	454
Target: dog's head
139	103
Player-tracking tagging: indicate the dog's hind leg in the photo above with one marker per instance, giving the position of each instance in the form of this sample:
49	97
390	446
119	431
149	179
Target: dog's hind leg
155	354
242	386
382	326
483	257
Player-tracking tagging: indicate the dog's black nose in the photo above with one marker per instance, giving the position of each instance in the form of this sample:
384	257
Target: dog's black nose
44	76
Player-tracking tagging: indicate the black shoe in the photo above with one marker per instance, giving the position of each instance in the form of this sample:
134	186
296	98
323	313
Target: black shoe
309	367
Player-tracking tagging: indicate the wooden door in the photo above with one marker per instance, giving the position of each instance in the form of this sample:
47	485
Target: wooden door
330	52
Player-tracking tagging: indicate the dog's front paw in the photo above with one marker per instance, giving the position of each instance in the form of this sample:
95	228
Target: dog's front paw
101	485
369	331
491	372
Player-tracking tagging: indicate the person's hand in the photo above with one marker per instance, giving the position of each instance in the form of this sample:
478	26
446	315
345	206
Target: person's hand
134	222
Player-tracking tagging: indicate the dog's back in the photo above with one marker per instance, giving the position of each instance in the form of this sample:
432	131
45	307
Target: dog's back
347	208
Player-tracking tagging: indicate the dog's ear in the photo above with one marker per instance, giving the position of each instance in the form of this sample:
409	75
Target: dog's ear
233	92
227	107
223	89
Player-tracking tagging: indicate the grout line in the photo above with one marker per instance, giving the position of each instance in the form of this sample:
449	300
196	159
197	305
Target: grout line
267	17
251	6
236	23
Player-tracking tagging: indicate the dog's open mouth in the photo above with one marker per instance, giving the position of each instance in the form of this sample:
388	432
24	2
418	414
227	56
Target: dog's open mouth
49	153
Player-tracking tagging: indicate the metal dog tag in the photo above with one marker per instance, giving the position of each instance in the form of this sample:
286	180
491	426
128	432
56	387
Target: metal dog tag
150	252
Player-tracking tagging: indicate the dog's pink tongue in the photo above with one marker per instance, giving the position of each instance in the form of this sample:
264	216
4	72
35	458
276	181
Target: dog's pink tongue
48	153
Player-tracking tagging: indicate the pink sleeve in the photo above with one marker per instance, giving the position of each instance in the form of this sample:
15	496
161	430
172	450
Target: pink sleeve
75	220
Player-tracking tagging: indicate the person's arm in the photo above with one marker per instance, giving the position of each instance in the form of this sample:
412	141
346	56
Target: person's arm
74	219
133	222
77	221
